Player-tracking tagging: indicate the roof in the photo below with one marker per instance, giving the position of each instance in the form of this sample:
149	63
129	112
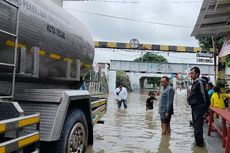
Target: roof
214	18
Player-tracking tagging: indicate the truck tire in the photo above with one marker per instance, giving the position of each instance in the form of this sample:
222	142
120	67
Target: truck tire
74	135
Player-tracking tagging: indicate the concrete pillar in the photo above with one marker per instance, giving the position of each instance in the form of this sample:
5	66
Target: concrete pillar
141	82
174	82
112	81
134	81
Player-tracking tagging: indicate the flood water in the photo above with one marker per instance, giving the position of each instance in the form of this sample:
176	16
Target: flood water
136	131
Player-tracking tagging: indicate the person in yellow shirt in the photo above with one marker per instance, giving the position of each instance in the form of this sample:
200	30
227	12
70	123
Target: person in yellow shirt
217	99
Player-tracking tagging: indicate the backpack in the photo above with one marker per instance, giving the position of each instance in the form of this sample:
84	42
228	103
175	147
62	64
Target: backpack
205	93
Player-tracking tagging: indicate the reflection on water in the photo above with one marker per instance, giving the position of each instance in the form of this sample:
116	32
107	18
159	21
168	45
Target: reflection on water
136	131
150	120
120	117
90	149
199	150
164	145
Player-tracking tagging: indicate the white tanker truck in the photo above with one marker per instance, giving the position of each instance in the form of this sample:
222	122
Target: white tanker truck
44	55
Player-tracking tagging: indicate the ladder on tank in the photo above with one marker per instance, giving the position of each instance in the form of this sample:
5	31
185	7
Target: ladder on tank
16	124
15	36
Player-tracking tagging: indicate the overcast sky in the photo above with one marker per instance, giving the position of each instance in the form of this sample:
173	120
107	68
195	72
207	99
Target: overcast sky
168	22
164	22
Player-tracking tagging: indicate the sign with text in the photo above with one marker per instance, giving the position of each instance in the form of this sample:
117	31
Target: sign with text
204	60
204	54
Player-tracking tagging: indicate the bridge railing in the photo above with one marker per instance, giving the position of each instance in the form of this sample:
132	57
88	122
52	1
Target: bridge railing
224	131
159	68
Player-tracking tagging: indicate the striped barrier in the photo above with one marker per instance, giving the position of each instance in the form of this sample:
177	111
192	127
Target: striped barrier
98	110
19	142
98	103
20	122
44	53
185	49
99	116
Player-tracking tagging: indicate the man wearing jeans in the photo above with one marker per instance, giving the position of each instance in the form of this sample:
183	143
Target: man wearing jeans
121	96
199	102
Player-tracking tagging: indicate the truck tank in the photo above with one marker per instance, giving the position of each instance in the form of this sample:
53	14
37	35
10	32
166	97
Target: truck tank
63	42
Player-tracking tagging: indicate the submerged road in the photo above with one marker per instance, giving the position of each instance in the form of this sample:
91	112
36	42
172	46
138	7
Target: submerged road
136	131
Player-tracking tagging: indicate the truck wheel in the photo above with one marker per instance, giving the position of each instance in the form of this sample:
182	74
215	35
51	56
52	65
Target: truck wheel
74	134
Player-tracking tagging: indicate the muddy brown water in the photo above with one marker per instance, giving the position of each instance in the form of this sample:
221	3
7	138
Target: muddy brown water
136	131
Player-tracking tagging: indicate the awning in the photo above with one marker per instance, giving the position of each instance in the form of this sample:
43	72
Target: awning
225	50
214	18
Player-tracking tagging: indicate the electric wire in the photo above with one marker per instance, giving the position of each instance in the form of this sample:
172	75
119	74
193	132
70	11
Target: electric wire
129	19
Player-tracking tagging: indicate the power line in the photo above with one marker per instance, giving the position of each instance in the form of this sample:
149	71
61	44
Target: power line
171	55
129	19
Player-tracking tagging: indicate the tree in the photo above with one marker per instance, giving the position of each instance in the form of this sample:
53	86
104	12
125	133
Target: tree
155	81
206	42
123	78
151	57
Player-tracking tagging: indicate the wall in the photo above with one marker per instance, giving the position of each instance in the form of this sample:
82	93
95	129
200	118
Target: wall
133	77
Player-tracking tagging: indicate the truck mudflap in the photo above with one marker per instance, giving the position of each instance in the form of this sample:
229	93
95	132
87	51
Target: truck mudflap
22	140
98	110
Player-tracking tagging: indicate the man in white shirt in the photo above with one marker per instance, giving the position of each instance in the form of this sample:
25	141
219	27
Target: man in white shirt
121	96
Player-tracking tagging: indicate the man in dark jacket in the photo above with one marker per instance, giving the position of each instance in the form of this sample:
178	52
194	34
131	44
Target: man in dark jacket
199	103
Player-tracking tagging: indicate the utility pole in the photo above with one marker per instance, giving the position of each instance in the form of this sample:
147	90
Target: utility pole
214	54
